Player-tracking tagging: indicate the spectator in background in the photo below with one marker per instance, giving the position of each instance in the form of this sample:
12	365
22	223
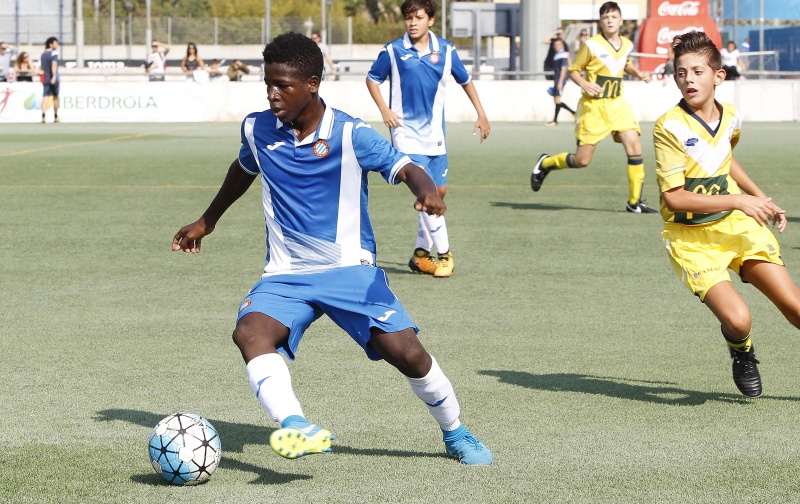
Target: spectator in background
7	55
24	67
583	36
550	40
330	66
561	63
51	79
746	45
156	62
214	71
192	61
237	70
730	61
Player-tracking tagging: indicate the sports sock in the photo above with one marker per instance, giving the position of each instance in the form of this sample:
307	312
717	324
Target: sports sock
271	382
435	390
743	345
437	228
558	162
635	178
555	115
565	106
424	240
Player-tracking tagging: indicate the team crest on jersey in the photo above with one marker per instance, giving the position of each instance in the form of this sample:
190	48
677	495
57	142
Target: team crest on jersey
245	304
692	142
434	57
321	148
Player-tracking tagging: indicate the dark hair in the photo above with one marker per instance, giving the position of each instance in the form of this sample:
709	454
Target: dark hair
49	42
608	7
297	51
191	44
697	43
410	7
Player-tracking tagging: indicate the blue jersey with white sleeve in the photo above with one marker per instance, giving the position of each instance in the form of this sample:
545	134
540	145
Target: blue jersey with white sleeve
315	190
417	89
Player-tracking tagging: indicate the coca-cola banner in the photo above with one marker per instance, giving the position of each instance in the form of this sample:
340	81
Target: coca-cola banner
667	8
666	20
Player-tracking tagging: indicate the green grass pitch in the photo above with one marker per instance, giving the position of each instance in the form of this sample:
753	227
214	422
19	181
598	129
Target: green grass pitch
591	372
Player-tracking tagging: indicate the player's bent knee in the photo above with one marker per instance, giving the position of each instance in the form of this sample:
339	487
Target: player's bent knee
738	324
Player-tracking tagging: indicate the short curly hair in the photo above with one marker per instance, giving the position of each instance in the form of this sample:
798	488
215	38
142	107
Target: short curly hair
297	51
697	43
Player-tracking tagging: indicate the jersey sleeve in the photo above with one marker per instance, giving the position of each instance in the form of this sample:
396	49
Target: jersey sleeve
375	153
670	159
581	59
381	66
458	70
247	158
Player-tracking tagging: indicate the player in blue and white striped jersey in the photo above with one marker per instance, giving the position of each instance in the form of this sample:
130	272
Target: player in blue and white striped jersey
418	65
313	161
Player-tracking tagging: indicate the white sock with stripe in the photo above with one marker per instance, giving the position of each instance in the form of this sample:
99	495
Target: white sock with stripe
436	391
438	232
424	240
271	382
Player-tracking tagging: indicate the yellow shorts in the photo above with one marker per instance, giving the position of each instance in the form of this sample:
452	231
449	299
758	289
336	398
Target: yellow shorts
701	255
600	117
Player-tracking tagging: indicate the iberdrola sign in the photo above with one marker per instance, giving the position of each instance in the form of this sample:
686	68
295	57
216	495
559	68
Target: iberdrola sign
667	19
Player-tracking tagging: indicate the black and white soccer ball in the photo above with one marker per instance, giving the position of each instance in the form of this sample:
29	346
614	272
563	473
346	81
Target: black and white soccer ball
185	449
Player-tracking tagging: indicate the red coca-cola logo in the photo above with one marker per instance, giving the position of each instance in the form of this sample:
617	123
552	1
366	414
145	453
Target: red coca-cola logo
666	35
687	8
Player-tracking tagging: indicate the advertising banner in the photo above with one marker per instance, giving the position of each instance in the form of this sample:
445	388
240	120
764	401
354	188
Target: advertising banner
667	19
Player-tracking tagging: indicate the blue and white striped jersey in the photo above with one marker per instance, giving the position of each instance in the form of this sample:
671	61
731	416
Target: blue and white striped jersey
417	87
315	191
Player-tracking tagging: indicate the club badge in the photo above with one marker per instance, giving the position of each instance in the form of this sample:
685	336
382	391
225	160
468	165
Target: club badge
434	57
321	148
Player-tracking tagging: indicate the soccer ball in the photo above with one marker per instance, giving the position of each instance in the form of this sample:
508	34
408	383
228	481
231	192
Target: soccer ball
185	449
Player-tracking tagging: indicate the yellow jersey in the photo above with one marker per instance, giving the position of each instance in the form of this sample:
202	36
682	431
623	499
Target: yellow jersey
696	156
603	63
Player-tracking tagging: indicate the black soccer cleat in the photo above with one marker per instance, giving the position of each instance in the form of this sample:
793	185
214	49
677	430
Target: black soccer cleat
538	174
639	207
745	372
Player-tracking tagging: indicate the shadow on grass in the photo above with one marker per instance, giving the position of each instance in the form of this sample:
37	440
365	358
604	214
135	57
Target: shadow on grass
621	388
542	206
234	437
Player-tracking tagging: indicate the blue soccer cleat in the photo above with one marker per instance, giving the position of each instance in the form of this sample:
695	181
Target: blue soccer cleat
467	449
298	437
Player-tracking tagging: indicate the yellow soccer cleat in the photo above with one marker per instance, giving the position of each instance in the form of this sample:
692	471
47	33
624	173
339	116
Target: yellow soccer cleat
422	262
446	266
300	438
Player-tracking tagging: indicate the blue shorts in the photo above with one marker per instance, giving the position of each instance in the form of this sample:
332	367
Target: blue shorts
435	167
356	298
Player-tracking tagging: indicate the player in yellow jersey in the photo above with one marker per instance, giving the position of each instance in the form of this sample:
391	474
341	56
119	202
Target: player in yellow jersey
602	111
715	216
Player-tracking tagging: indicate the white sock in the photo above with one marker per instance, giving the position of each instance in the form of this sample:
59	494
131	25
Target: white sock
435	390
423	236
272	384
438	232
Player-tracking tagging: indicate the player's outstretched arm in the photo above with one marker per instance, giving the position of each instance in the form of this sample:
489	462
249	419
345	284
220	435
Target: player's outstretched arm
423	187
761	203
591	88
236	183
482	123
390	119
630	69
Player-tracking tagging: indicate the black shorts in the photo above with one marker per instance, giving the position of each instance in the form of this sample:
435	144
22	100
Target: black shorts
52	89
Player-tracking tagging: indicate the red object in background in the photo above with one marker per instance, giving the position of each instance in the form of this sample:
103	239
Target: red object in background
667	19
41	78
